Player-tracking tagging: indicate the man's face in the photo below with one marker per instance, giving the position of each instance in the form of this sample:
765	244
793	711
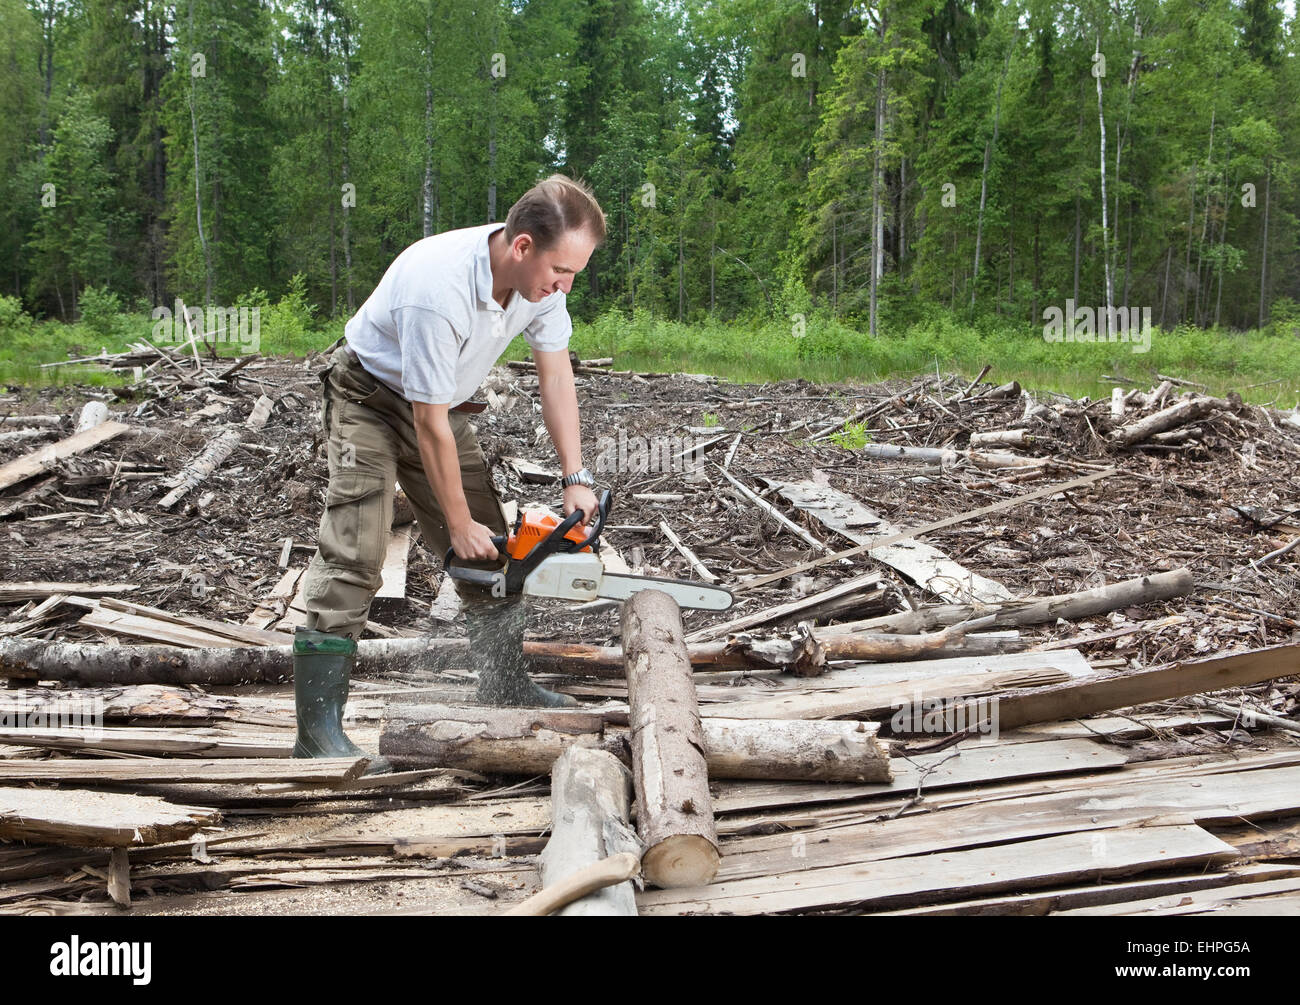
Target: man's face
541	273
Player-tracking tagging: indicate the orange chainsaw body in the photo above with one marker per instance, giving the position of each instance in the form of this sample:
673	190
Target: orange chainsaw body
533	526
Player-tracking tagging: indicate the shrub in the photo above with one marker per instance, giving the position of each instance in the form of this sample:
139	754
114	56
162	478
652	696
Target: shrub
100	308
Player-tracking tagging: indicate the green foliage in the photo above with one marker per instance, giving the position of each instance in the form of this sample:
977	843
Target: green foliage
711	419
14	321
288	326
852	437
100	308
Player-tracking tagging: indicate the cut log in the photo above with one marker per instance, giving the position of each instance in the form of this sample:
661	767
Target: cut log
96	819
1002	438
512	741
22	435
91	663
93	413
40	460
674	807
590	796
1175	415
1033	611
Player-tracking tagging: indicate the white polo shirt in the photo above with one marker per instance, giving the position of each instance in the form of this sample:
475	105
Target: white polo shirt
431	330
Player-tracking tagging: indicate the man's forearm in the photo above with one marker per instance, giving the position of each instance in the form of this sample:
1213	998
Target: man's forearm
560	414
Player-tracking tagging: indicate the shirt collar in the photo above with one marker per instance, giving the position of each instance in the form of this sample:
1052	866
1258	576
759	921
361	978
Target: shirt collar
483	269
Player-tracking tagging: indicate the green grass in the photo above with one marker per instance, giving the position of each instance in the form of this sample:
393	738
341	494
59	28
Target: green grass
828	351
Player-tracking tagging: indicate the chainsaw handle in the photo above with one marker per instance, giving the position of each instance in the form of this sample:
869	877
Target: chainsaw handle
602	511
498	542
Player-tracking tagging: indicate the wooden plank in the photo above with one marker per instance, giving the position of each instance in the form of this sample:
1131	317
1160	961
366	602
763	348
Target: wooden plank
272	606
393	585
85	817
225	771
33	463
161	741
154	630
1119	803
1049	901
245	634
1193	902
924	564
871	700
1066	858
12	593
1079	698
914	532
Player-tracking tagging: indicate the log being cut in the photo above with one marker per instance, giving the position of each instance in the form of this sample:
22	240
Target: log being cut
674	807
523	741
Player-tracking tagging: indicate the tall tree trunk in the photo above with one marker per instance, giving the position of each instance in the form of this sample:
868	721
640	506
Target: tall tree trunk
1078	239
1038	273
1164	296
877	211
1205	220
198	193
1263	251
984	175
1105	237
347	165
428	125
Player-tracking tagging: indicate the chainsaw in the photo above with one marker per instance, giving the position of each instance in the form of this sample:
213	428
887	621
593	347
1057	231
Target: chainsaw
550	557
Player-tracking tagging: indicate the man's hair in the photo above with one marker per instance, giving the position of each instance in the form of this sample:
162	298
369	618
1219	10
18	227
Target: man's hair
554	207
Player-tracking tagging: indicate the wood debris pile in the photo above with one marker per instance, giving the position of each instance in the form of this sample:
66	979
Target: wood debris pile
966	616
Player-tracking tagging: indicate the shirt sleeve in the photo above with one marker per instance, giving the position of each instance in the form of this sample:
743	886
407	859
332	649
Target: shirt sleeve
430	349
551	328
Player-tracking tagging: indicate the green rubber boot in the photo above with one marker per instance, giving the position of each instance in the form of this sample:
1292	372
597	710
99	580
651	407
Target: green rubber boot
322	667
496	646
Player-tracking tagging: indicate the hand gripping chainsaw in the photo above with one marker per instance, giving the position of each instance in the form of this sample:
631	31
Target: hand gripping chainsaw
550	557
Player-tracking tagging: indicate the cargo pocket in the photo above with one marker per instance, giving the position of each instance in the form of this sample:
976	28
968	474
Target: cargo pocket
355	519
354	383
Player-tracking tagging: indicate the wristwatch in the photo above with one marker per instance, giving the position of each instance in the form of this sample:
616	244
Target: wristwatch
580	477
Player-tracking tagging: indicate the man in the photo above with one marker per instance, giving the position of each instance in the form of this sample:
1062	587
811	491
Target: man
396	409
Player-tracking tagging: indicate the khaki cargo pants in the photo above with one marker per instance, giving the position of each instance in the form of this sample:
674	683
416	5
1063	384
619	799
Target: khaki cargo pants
372	444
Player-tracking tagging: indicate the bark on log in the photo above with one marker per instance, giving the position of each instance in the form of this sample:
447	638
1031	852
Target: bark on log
1032	611
1168	418
1002	438
100	664
517	741
674	806
94	663
590	804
